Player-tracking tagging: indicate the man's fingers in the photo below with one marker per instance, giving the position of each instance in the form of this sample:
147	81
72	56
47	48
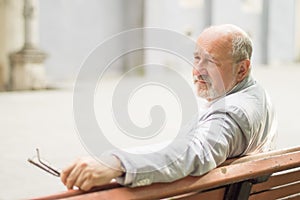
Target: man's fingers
80	180
86	186
65	173
87	173
74	175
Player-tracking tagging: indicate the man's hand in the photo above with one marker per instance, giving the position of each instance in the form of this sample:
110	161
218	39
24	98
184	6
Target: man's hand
86	173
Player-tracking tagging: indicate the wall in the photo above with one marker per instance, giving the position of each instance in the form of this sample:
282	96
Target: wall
71	29
297	30
247	15
282	30
187	17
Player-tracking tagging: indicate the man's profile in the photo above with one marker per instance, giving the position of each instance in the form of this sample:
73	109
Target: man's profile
238	119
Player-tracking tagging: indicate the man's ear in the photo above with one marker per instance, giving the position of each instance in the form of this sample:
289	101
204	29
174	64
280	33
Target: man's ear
243	69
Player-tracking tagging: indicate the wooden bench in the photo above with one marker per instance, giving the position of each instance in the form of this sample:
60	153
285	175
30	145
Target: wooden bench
265	176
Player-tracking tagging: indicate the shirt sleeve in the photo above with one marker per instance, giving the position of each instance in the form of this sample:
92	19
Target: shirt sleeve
202	148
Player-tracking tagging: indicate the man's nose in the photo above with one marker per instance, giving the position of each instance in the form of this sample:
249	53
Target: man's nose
199	69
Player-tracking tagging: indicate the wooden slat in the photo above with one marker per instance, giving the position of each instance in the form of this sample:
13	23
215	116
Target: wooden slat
217	194
293	197
215	178
277	180
261	155
277	193
70	193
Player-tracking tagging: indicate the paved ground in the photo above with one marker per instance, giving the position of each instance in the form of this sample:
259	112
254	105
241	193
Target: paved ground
44	119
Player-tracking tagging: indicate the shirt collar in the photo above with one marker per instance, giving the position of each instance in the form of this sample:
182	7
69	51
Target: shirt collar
245	83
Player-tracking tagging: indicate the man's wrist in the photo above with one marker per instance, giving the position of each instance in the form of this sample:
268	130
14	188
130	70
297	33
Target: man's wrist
118	168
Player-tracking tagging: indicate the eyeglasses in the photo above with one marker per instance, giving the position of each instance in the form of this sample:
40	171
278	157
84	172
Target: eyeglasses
43	165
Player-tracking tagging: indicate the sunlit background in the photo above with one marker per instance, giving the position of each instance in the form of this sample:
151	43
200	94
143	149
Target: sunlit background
43	44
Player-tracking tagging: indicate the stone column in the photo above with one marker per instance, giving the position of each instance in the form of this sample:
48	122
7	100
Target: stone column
297	30
11	35
208	13
133	17
265	32
3	67
27	65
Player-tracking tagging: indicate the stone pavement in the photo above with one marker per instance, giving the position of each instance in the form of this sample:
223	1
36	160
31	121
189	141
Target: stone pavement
44	119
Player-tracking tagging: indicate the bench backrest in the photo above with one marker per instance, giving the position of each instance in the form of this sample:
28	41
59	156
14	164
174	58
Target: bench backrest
269	175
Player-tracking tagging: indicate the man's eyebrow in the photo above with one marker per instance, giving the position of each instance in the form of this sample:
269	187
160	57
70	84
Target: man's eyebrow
206	55
211	57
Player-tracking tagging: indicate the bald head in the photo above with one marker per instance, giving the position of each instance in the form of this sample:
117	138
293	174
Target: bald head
221	60
227	38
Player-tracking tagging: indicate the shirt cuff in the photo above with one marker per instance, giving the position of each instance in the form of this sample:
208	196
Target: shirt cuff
129	171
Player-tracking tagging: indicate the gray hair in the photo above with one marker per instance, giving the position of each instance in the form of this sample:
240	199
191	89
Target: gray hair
241	47
241	43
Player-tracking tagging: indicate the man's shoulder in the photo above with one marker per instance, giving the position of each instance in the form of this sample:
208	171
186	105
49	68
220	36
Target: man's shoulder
247	103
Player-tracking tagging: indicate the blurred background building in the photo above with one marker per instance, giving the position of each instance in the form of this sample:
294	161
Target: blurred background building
67	30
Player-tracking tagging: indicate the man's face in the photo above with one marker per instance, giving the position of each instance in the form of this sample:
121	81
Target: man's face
213	70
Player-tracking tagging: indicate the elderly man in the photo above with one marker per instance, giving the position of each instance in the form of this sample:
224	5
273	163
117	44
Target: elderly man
238	120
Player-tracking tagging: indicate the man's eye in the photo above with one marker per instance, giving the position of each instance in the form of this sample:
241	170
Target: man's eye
210	61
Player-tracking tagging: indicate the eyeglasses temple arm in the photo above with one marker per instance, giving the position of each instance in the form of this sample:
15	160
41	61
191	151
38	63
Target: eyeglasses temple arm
44	164
48	169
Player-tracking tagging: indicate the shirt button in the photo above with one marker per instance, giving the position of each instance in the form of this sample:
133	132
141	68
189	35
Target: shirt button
143	182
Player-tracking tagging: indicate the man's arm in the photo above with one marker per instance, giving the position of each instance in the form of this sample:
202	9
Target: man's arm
209	145
205	147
